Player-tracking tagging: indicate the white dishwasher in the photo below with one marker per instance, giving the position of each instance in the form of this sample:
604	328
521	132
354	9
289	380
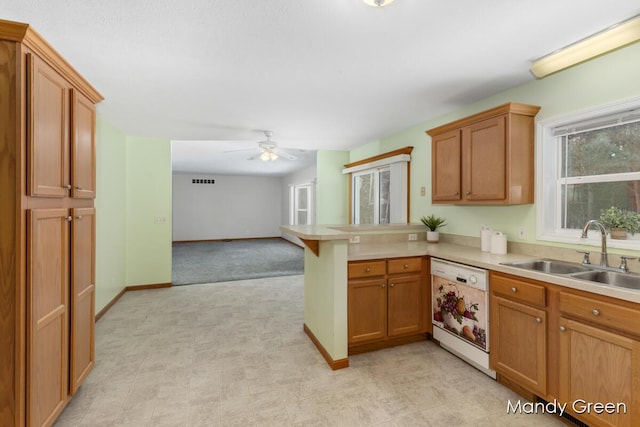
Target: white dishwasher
460	295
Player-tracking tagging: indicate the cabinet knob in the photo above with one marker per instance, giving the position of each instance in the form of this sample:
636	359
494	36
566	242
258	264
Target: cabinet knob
68	186
456	193
468	193
538	320
595	312
391	285
69	218
514	289
367	270
79	217
562	329
78	188
383	286
406	266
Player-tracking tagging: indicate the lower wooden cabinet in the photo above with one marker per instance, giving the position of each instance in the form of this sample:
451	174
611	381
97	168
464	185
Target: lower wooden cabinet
519	343
404	305
82	302
390	305
47	315
60	308
367	310
576	348
600	358
518	331
598	366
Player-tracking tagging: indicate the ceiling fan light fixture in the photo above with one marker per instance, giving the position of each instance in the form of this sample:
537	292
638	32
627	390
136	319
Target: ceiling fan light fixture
614	37
268	156
378	3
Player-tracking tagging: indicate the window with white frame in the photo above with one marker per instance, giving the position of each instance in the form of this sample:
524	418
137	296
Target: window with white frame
587	163
301	204
380	188
371	196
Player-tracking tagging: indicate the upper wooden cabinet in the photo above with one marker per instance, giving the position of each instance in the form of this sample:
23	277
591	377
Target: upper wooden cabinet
83	147
48	130
61	122
487	158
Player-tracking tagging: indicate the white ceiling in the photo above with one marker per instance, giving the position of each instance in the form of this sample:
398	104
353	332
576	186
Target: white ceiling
323	74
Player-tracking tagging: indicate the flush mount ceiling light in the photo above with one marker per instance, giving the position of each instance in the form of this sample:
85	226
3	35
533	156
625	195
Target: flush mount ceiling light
378	3
614	37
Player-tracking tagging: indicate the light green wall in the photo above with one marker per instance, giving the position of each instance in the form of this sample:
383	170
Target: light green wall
325	296
133	178
332	191
111	205
603	80
148	244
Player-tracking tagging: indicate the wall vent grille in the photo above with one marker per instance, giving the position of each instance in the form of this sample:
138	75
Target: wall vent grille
203	181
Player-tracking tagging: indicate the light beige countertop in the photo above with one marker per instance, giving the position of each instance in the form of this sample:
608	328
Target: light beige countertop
344	232
475	257
372	249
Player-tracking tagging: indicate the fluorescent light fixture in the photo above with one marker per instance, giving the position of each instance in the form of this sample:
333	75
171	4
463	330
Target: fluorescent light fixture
378	3
614	37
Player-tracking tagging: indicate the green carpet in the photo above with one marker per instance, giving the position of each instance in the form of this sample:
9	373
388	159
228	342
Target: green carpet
222	261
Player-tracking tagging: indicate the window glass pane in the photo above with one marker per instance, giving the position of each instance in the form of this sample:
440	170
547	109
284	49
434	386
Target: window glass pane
366	198
302	197
302	217
385	197
603	151
586	201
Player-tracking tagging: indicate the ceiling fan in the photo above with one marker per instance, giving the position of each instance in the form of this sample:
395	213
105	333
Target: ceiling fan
269	150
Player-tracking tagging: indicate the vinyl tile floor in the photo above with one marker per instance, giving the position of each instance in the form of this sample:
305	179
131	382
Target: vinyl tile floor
235	354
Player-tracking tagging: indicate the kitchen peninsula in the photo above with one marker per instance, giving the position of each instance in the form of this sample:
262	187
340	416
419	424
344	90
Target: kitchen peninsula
559	316
328	251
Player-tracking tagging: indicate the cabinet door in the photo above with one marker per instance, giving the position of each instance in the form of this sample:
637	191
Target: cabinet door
599	366
518	343
445	172
48	118
83	157
367	310
82	305
484	160
48	317
405	305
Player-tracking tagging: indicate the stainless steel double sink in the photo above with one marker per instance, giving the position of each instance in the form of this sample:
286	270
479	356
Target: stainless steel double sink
580	271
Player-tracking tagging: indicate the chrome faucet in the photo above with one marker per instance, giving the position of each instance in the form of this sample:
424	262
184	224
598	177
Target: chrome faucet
604	259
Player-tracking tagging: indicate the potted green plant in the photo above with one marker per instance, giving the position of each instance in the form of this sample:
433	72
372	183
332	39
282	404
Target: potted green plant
433	222
619	222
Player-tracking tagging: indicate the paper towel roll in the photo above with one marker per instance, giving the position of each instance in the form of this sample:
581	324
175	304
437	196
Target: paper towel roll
485	238
498	243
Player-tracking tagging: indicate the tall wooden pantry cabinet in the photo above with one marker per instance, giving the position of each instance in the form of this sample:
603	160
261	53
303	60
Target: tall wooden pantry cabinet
47	228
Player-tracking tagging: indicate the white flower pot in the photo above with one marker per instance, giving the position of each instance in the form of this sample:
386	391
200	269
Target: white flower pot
433	236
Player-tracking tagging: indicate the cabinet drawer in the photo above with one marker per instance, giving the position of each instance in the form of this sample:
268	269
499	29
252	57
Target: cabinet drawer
518	290
367	269
601	312
405	265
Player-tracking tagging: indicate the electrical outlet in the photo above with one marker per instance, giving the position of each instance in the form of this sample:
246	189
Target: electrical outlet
159	220
413	236
522	232
354	239
423	191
